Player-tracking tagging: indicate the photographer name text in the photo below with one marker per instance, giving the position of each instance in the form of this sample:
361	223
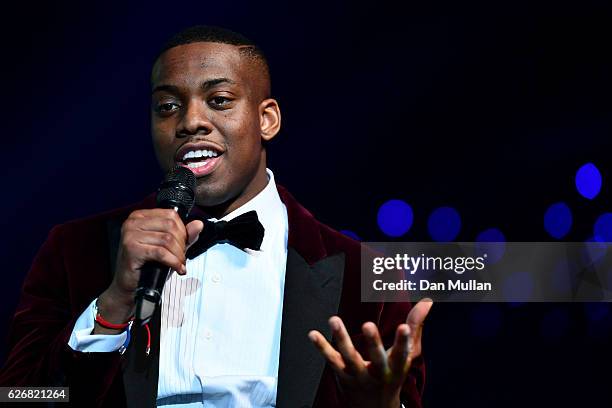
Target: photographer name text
425	285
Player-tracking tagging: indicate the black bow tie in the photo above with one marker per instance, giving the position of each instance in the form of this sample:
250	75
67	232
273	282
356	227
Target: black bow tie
244	231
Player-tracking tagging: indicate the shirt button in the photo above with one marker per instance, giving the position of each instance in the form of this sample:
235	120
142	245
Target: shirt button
216	278
207	335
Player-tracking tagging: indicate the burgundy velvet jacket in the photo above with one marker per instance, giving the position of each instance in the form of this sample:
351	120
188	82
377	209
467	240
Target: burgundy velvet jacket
76	264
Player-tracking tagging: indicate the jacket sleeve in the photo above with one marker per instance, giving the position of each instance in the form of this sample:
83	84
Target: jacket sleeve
41	328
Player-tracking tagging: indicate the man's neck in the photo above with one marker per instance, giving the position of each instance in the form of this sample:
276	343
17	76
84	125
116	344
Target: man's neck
221	210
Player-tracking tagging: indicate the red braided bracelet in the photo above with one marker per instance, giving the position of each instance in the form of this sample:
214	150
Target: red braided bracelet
109	325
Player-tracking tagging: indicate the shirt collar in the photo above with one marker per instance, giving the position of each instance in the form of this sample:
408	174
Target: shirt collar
271	212
265	203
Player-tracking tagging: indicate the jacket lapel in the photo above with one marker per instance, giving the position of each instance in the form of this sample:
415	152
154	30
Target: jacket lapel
311	296
313	287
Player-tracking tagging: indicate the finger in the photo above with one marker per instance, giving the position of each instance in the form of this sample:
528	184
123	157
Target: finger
398	354
194	228
162	255
162	239
353	360
333	357
153	212
415	320
376	351
160	220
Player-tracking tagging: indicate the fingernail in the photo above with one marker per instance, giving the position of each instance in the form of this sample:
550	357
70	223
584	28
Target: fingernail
184	268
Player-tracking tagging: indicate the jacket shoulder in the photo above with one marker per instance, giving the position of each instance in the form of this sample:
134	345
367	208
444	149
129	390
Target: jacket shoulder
335	241
98	221
313	239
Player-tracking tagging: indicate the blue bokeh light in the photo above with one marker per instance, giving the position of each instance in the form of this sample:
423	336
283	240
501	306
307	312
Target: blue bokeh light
596	311
491	235
518	287
588	181
351	234
491	242
603	228
594	251
444	224
558	220
395	218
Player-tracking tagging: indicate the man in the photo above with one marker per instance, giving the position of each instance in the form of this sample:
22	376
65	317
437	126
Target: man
237	326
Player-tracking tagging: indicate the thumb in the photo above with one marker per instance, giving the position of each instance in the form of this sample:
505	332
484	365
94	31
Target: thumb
415	320
193	231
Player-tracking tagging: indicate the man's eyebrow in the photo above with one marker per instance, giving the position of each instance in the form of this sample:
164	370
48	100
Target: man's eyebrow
215	81
206	85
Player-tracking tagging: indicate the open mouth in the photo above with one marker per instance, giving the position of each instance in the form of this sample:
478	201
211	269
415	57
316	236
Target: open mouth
200	161
198	158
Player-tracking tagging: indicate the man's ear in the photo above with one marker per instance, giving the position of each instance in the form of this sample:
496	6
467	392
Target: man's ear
269	119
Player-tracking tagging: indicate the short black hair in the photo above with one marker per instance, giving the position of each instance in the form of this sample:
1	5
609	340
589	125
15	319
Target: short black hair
208	33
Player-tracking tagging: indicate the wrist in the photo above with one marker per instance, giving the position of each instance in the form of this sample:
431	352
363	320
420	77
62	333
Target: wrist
114	310
120	301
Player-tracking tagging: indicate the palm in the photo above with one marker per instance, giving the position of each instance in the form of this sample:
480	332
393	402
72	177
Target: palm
376	382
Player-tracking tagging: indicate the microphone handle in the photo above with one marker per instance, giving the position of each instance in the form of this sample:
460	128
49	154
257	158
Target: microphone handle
150	285
148	295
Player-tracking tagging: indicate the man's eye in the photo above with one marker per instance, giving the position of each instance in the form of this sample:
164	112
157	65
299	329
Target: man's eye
219	101
166	107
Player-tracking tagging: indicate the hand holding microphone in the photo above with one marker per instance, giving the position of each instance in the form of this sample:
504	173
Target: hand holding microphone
153	242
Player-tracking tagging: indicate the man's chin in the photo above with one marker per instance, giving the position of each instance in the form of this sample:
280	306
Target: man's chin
208	195
205	200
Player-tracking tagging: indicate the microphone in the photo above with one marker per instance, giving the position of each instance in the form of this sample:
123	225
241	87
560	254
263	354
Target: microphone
176	192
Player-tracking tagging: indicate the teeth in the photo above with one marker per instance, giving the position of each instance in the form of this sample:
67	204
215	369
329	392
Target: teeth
200	153
197	164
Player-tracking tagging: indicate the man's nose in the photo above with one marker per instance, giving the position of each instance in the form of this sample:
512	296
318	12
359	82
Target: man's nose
194	119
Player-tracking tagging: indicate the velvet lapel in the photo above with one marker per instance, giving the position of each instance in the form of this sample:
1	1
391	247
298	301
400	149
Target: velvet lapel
313	285
310	299
140	372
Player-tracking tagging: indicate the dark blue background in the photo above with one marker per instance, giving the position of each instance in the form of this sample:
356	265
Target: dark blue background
489	107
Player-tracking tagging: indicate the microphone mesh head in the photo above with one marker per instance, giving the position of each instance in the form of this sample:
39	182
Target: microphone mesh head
178	190
180	174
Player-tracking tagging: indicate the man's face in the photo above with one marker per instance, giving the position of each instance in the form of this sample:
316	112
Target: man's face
208	99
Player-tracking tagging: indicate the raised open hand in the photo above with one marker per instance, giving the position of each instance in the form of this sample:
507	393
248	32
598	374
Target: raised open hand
376	382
